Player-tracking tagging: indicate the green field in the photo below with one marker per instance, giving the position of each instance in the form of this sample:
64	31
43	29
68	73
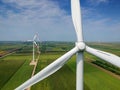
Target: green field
7	70
19	77
15	68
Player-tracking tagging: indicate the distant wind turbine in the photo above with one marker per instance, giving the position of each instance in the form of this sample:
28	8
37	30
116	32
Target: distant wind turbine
37	46
79	48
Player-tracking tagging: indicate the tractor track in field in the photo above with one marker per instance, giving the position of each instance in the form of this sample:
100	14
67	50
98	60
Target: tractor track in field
107	71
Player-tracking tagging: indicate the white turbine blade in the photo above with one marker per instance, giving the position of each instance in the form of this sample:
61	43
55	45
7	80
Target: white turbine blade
35	43
29	40
38	37
111	58
50	69
76	17
36	46
34	37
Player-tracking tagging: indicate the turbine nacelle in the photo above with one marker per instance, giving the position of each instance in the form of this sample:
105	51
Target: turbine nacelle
81	45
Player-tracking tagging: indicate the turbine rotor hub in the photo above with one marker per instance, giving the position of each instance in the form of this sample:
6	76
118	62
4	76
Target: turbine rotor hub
80	45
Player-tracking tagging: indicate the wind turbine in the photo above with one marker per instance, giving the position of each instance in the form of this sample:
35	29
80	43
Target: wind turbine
79	48
37	46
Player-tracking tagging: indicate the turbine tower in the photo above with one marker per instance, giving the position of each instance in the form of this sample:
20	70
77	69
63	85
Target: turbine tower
34	43
79	48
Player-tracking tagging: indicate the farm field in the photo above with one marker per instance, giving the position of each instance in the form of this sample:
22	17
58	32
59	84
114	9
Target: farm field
14	70
7	70
18	66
